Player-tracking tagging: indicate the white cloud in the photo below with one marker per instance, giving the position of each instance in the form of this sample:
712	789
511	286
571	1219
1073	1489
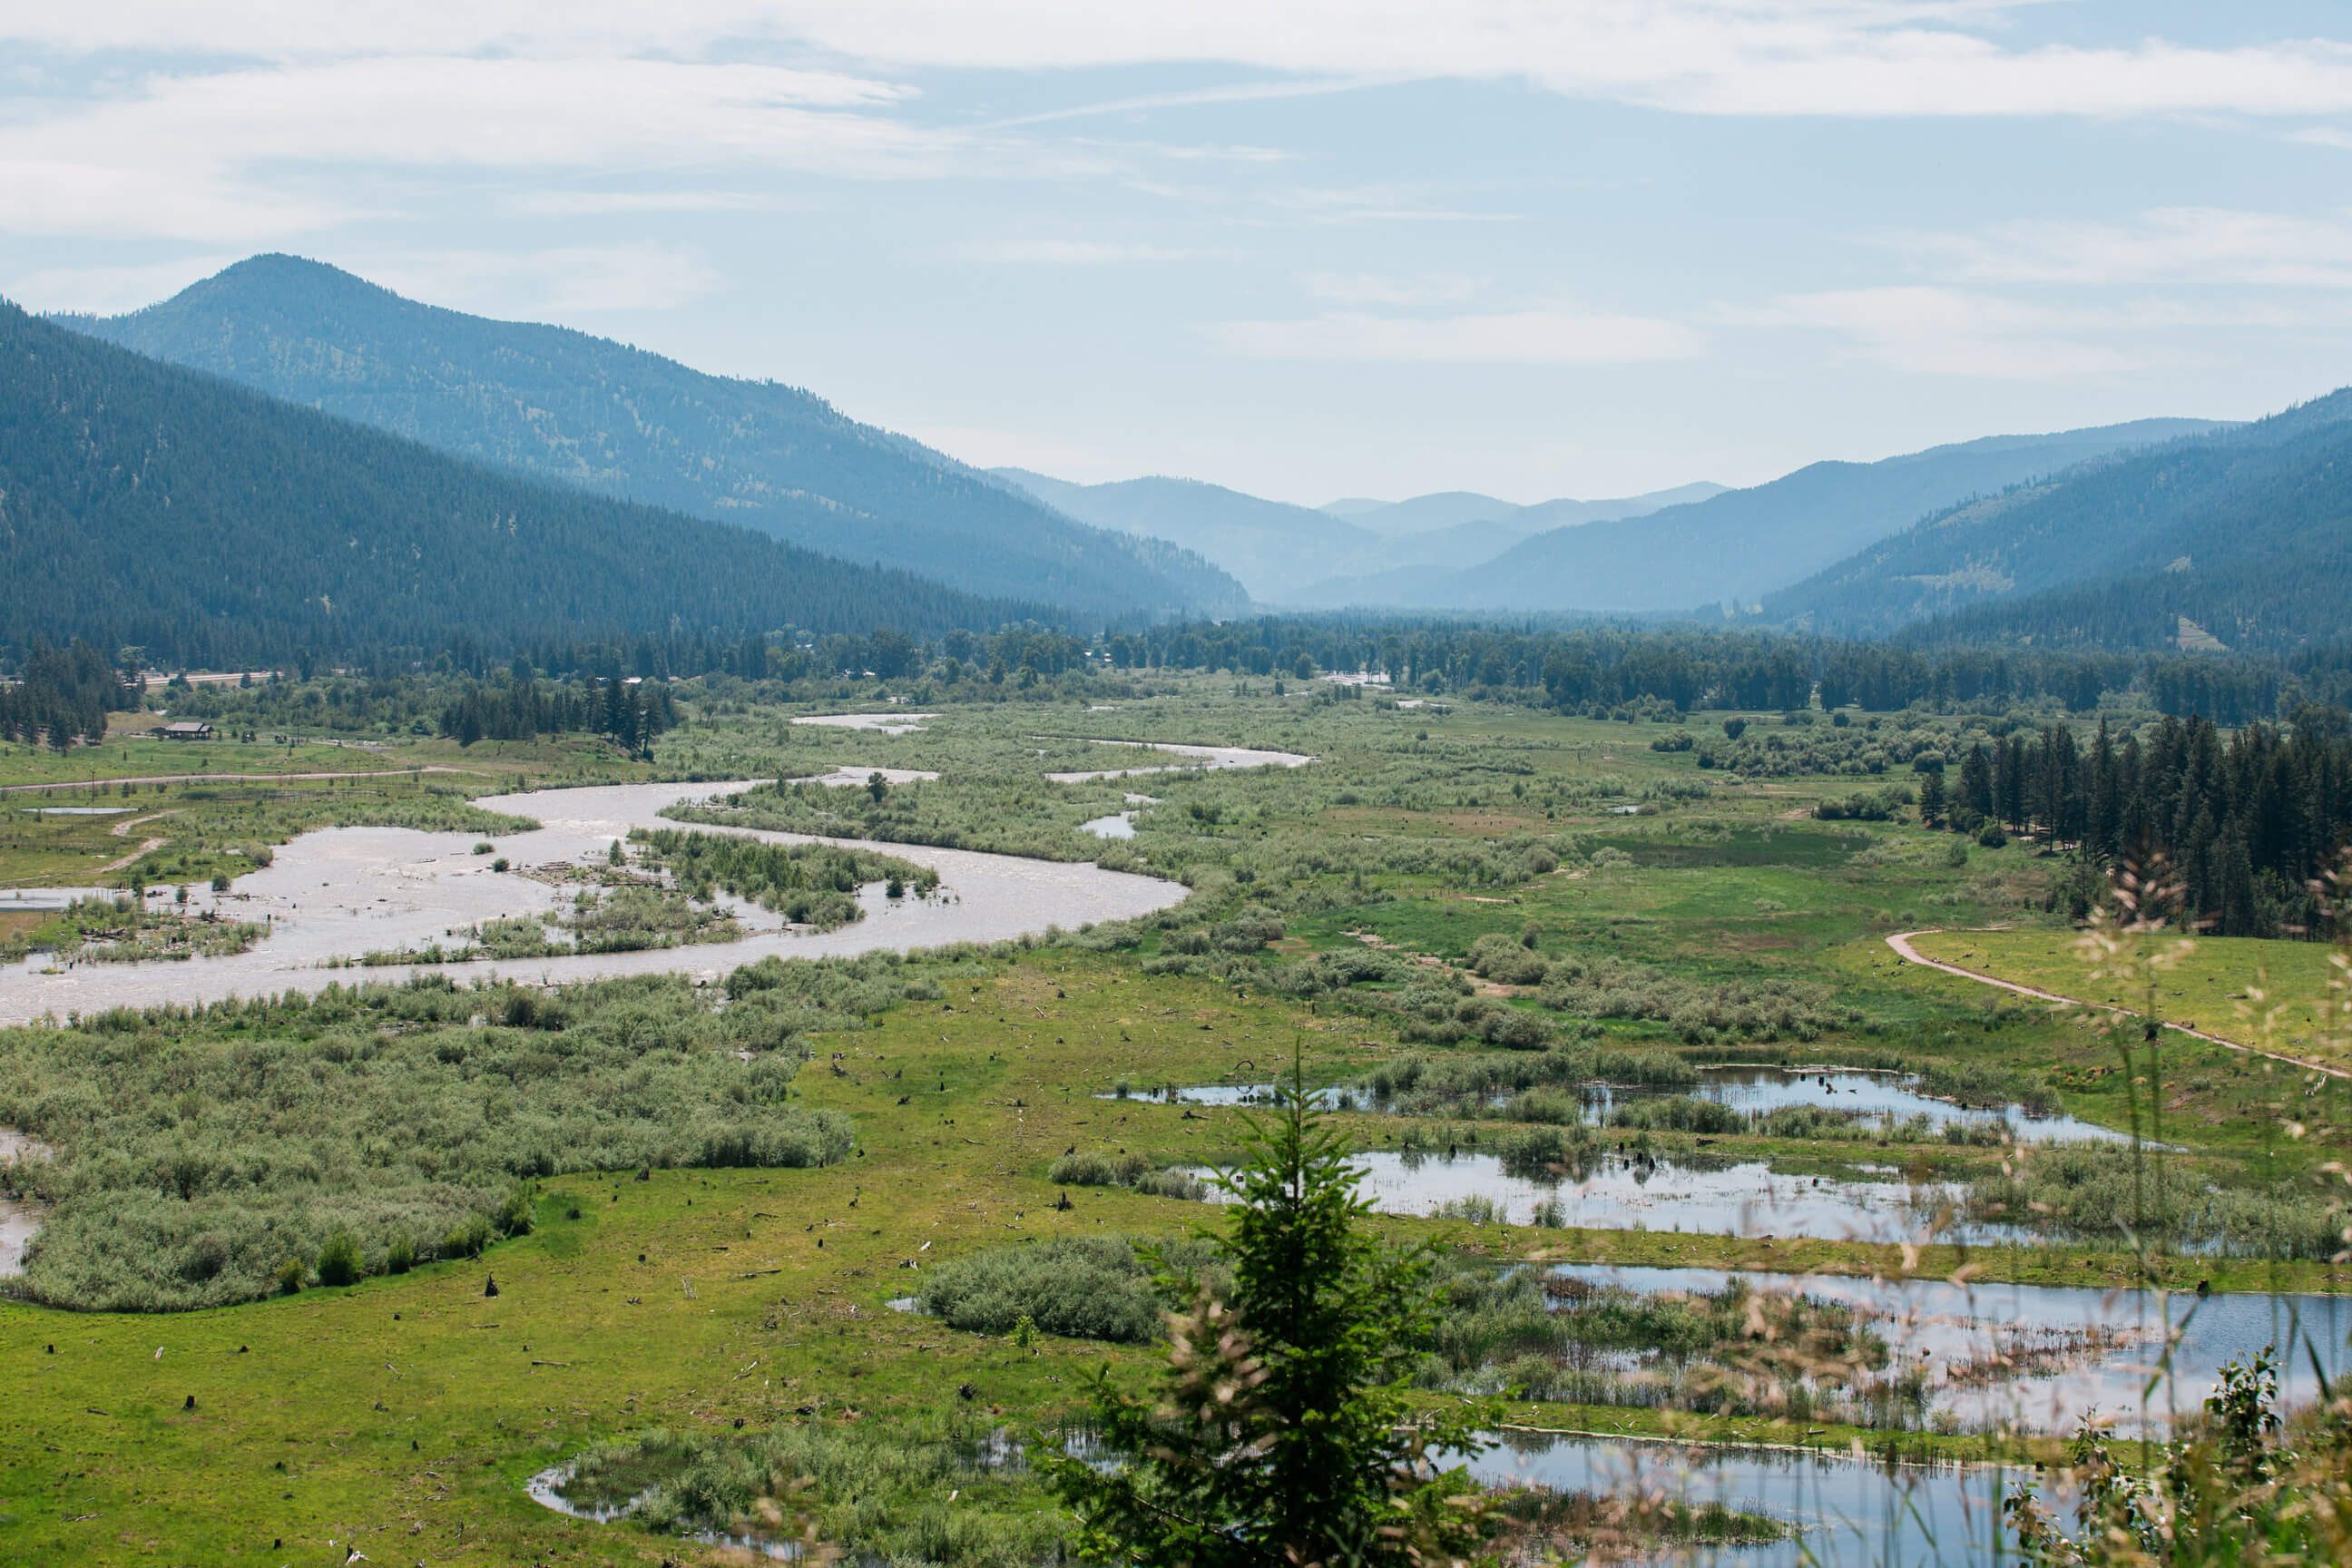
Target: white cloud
2197	246
1068	252
240	152
1927	330
1894	58
599	204
1375	288
1524	337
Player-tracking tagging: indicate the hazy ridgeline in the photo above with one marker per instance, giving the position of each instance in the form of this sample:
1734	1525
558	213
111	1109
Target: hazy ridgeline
196	1150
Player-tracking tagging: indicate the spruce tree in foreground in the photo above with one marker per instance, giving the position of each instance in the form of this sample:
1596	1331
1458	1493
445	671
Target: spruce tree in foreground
1280	1432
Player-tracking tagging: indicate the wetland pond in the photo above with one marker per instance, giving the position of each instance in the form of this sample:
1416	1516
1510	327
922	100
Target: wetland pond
1850	1512
19	1218
1870	1095
2042	1356
1735	1198
341	892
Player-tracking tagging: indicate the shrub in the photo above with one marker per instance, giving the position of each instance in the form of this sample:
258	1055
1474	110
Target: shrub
514	1216
399	1255
1992	837
1087	1169
1507	960
290	1275
339	1262
467	1238
1088	1287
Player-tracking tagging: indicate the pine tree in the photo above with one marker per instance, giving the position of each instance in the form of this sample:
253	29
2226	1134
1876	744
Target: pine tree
1281	1434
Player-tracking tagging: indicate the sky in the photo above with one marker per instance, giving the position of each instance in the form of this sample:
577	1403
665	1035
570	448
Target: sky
1304	248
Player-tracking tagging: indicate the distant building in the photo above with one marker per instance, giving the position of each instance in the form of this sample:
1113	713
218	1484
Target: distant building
184	732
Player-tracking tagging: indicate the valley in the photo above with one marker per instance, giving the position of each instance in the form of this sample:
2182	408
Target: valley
1538	958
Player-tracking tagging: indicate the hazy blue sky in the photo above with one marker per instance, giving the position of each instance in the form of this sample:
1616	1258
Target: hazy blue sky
1305	249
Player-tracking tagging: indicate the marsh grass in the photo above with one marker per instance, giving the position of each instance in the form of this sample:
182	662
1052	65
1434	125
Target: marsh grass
193	1150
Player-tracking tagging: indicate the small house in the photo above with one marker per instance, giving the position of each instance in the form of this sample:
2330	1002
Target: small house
185	732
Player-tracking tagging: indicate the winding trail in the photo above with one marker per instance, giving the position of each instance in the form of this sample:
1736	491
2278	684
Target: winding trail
1901	942
146	847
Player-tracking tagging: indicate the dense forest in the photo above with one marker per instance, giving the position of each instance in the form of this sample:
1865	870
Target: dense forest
609	418
2247	822
144	504
63	694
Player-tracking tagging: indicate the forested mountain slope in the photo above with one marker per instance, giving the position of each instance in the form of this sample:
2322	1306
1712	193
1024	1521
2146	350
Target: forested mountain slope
1742	544
146	504
2247	533
1271	546
608	417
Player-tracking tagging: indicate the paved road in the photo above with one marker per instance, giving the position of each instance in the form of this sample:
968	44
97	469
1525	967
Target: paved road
1901	942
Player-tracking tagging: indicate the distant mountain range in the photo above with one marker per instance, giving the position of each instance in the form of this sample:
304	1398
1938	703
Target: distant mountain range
2241	534
1304	557
559	404
1452	509
1739	545
148	505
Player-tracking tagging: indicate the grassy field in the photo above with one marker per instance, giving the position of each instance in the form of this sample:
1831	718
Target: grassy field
401	1415
2267	993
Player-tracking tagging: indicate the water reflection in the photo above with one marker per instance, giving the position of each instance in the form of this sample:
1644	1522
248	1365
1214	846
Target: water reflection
1745	1198
1850	1510
2042	1356
1870	1095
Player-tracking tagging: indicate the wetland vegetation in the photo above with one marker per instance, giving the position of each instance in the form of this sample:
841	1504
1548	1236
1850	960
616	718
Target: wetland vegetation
1524	929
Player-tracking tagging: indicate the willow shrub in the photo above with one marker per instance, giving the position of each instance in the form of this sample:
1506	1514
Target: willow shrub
194	1150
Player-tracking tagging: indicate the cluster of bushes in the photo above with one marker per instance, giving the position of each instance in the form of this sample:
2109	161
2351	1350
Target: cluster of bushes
2111	1193
812	884
1867	805
931	1489
1093	1169
126	930
1520	1086
1599	986
1737	1351
195	1149
1079	1287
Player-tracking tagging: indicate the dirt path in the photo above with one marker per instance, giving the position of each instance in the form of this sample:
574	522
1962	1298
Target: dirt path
122	829
228	778
146	847
1901	942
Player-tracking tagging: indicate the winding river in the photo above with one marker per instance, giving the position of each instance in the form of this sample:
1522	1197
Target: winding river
340	892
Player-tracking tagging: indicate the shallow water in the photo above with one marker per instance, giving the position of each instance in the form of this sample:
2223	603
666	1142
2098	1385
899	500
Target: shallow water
1853	1511
1879	1094
1231	1094
341	892
1206	759
1957	1325
75	810
1745	1199
1120	825
887	723
18	1220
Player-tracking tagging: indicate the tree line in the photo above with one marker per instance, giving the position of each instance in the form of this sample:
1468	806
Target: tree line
2247	822
64	694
